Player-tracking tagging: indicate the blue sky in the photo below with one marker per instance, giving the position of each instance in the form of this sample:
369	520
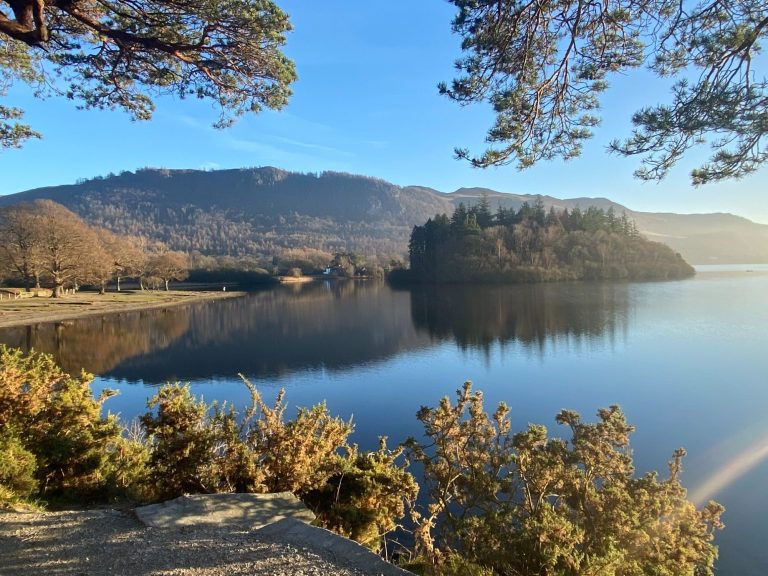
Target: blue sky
366	102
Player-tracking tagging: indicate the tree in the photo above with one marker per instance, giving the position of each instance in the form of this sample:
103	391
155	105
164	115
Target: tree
19	242
135	261
119	53
65	242
345	264
483	211
169	266
128	254
543	64
102	265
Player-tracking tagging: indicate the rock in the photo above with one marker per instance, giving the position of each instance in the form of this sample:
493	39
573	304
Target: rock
241	511
328	544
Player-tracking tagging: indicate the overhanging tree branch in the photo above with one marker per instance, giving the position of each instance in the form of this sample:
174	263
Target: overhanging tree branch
542	65
121	53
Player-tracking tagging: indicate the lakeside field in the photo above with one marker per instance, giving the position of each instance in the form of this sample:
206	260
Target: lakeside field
40	309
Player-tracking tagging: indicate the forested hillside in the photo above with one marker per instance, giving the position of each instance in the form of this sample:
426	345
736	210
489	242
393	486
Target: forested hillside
253	212
263	212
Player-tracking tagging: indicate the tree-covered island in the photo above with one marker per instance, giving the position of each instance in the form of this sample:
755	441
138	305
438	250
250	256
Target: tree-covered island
533	245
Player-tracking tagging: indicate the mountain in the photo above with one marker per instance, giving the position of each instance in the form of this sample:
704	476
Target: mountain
262	211
254	211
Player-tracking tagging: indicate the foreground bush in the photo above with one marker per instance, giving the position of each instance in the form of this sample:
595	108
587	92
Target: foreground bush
529	504
495	502
17	469
367	496
52	417
195	447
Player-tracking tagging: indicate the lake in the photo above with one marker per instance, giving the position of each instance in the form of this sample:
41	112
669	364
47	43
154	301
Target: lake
687	361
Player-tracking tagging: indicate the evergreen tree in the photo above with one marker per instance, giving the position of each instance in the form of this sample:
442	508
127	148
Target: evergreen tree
538	246
483	213
119	53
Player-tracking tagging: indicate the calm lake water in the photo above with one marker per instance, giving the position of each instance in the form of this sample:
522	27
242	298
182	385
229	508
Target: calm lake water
687	360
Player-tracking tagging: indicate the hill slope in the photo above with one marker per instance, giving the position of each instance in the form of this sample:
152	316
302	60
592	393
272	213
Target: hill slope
250	211
261	211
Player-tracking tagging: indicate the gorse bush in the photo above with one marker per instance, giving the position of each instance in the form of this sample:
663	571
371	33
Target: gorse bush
181	439
53	417
196	447
17	468
530	504
493	502
298	455
366	497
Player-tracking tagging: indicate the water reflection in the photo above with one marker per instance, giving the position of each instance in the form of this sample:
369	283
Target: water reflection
531	315
100	344
333	326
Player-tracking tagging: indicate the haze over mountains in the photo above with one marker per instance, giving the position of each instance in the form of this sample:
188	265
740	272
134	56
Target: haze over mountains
262	211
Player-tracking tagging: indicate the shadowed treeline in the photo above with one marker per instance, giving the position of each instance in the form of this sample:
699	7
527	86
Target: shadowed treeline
531	314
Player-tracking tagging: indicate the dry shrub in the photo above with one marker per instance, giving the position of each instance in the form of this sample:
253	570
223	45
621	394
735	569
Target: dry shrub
530	504
54	417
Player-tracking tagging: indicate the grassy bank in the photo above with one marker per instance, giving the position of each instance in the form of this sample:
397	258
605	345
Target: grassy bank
39	309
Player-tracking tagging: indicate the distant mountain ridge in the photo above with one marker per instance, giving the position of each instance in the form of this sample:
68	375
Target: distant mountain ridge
261	211
701	238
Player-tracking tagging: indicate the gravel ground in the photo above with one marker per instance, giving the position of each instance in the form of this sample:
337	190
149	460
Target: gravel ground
105	541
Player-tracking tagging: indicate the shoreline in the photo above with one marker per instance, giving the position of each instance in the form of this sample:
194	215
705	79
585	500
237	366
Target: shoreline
43	310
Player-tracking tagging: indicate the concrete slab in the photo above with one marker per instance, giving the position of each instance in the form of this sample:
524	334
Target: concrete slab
238	511
323	541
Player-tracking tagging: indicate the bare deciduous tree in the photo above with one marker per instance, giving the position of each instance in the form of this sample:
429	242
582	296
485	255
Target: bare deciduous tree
169	266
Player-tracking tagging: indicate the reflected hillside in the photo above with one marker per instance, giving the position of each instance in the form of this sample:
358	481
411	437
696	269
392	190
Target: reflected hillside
97	345
325	326
334	326
531	314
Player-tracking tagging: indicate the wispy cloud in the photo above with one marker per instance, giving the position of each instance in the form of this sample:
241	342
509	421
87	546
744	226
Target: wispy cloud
380	144
270	145
246	145
190	121
299	121
311	146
